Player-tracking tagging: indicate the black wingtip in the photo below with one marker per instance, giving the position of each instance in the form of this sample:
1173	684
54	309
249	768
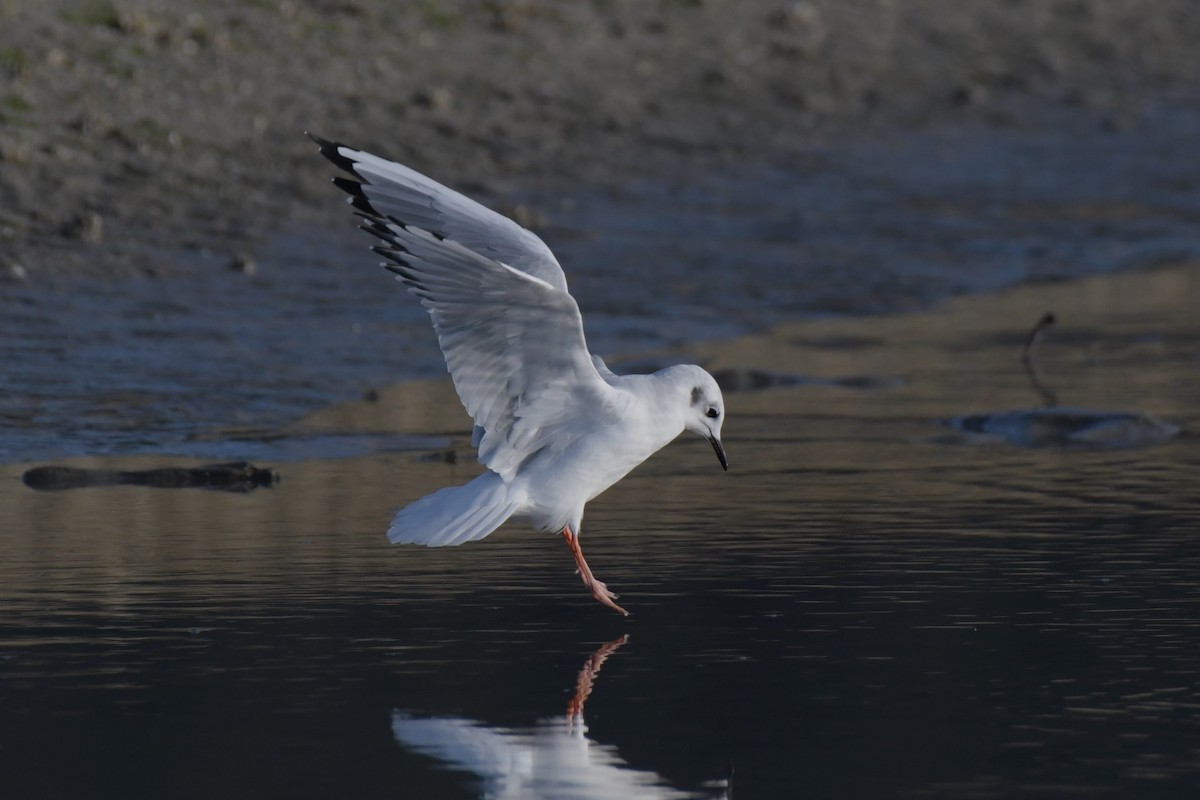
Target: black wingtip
347	185
393	251
375	227
330	150
357	198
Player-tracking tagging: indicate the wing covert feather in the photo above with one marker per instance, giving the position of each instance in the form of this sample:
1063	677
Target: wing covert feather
511	333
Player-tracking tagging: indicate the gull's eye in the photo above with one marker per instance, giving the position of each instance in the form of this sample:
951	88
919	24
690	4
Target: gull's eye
712	413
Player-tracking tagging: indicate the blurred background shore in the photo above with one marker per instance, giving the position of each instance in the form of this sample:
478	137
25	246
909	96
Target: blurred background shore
130	125
174	261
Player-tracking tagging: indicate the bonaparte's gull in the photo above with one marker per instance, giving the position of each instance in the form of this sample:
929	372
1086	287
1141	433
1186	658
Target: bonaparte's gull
554	426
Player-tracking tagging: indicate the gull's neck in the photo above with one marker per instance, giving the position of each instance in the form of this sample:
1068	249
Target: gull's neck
666	397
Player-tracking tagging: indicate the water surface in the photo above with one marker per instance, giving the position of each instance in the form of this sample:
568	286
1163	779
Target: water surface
866	605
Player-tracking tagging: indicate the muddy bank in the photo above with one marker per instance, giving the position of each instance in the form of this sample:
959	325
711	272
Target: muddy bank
138	365
173	260
128	127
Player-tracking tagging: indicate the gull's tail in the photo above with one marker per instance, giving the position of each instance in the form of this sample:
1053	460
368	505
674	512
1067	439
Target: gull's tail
455	514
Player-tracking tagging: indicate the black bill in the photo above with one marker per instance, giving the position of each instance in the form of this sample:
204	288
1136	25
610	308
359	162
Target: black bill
720	448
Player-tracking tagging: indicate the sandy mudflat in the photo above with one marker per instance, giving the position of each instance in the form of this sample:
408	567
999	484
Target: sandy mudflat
128	128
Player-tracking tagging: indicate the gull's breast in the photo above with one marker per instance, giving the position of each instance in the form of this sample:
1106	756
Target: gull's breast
560	481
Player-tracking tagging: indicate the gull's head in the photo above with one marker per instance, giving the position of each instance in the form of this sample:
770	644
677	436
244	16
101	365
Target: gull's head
705	406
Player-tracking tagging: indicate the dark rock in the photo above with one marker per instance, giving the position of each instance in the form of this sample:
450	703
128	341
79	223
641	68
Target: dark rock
233	476
1060	427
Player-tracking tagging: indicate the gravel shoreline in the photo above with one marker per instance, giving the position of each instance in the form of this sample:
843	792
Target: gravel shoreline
128	129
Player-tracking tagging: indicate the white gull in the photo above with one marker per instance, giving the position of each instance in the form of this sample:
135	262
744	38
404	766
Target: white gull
554	426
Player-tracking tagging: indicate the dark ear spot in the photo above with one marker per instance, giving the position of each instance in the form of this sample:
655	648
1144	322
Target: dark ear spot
697	395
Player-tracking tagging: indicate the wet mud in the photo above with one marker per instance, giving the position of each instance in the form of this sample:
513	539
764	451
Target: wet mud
158	365
131	127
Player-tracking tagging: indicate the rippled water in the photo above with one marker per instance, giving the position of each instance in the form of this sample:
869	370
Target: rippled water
866	605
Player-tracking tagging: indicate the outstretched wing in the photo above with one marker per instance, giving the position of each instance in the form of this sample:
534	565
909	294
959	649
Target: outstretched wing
513	341
388	190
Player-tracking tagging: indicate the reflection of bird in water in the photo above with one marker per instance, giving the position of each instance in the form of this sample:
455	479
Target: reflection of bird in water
587	676
1052	425
551	761
554	426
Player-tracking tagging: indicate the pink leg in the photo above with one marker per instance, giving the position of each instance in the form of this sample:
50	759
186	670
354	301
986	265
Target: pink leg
598	589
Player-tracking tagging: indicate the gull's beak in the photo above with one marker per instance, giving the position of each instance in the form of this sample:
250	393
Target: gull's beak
716	443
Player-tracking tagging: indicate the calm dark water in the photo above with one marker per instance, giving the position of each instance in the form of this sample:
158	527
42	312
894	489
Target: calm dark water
866	605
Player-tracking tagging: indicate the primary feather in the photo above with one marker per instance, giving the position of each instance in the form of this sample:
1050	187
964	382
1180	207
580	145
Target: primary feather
512	335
